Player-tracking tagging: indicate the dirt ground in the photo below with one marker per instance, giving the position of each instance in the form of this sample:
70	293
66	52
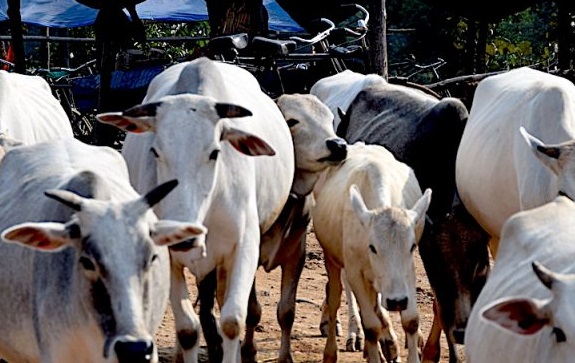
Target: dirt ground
307	344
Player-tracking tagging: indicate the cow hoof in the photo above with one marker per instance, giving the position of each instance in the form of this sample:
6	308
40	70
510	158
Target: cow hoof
390	349
249	353
354	343
324	326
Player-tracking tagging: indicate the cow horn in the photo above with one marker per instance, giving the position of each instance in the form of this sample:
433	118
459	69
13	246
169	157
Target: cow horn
159	192
68	198
145	110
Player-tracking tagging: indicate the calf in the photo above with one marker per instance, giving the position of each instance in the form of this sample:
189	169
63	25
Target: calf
84	272
369	216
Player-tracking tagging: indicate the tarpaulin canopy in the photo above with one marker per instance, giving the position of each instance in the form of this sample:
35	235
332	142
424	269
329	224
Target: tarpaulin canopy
70	14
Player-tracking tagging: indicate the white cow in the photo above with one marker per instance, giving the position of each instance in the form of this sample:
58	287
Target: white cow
206	121
83	275
28	110
496	172
284	243
525	312
368	217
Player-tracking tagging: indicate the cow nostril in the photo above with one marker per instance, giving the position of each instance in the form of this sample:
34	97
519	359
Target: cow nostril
396	304
459	335
338	147
140	351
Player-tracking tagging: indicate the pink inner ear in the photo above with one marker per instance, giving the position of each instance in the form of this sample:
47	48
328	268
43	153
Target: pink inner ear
520	316
251	145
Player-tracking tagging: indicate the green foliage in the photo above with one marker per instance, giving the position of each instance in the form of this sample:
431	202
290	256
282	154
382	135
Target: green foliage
199	30
526	38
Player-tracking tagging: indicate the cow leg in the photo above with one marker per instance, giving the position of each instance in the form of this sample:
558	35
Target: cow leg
323	323
187	322
333	298
291	273
236	276
432	350
413	336
372	315
206	294
249	351
355	336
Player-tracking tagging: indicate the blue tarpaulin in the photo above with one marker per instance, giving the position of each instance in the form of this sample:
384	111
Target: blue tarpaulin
70	14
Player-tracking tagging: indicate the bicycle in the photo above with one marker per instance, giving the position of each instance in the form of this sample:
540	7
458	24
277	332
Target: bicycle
293	65
60	80
419	75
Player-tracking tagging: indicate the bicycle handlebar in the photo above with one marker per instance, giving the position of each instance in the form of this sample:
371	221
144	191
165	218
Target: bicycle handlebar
320	36
361	23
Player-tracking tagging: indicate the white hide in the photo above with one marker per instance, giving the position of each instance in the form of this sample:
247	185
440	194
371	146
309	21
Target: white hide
545	234
497	172
28	110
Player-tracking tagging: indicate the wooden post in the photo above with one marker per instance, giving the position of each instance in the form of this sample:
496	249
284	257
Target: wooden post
377	37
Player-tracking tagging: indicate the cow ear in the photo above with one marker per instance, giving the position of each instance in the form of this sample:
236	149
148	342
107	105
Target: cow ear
363	214
170	233
46	236
547	154
136	119
246	143
420	208
522	316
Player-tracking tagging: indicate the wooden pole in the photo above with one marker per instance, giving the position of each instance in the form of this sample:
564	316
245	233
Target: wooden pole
377	37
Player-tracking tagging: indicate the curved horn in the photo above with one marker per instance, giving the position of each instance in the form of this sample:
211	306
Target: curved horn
159	192
66	197
145	110
546	276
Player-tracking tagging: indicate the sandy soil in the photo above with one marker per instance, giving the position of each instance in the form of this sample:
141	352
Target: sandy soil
307	344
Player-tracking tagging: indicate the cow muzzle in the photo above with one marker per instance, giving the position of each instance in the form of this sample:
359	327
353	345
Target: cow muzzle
396	304
338	151
137	351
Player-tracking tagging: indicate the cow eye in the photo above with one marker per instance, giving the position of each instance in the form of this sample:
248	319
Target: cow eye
292	122
87	263
372	249
153	150
214	154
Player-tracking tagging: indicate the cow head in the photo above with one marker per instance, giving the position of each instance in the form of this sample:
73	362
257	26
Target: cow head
558	158
190	133
527	316
116	263
393	236
315	142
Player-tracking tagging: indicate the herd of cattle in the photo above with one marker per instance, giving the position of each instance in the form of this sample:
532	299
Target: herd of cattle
217	178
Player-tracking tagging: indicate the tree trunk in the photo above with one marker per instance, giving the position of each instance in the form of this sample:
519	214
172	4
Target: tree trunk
378	39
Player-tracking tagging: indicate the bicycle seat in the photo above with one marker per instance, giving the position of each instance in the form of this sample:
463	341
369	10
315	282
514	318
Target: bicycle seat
266	47
345	51
226	42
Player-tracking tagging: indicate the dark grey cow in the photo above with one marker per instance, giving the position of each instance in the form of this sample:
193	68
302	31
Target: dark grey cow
84	267
422	132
